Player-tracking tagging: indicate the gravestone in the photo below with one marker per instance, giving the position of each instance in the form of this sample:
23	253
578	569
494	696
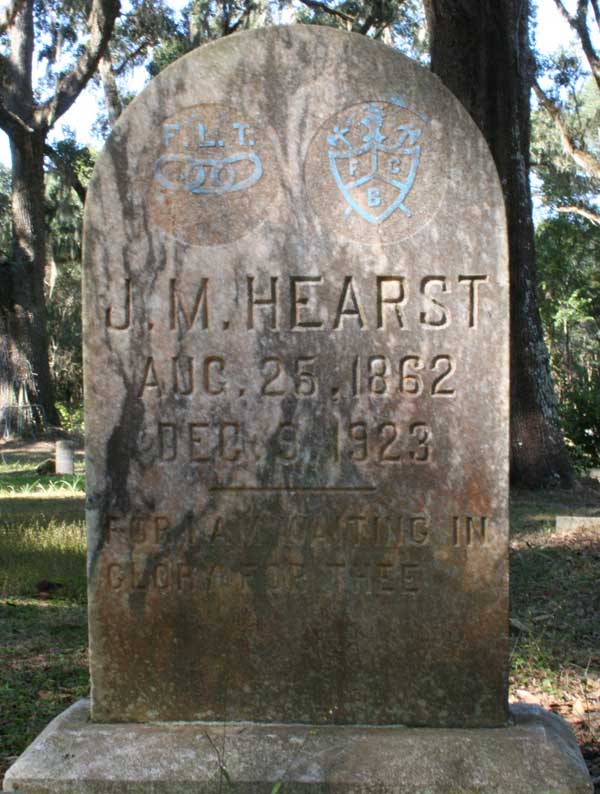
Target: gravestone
296	392
65	457
296	344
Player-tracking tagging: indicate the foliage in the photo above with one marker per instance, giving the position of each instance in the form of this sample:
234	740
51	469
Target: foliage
580	413
64	217
71	417
60	28
145	23
400	23
566	160
203	21
169	51
141	28
572	105
567	179
64	326
569	277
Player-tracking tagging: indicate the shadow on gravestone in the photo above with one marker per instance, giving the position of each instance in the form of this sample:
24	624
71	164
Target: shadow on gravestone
296	345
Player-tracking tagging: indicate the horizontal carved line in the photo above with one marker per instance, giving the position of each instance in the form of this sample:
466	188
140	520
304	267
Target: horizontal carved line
291	488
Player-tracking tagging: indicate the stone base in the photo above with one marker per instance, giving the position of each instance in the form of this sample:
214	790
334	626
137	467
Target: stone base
536	755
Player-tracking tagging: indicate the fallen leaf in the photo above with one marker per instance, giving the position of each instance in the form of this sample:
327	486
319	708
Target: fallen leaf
526	697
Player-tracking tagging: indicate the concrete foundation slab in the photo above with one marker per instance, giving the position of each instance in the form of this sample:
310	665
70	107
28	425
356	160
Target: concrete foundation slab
537	754
570	523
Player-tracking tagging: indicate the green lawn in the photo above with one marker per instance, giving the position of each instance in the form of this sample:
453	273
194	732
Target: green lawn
555	604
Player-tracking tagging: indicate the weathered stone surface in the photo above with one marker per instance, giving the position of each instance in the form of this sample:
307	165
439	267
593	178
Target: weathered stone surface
536	755
296	347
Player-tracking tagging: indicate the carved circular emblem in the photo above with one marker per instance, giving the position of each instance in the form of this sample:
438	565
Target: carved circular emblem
213	177
376	171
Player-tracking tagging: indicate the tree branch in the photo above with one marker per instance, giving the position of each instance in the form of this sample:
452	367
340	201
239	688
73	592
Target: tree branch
8	14
334	12
65	166
380	31
12	124
580	156
101	22
563	11
579	25
112	97
585	212
131	56
589	49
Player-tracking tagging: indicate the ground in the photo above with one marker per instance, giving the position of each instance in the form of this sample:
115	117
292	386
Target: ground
555	602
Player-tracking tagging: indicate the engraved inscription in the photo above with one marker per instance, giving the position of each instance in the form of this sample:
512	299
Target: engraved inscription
208	175
307	304
469	531
377	376
373	528
212	177
362	552
125	323
183	318
376	172
382	578
374	157
360	441
387	578
408	376
130	576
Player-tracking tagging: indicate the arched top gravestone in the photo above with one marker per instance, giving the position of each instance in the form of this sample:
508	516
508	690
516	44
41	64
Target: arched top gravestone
296	348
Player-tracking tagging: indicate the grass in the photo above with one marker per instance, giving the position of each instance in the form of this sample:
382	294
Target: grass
18	477
52	551
43	638
43	667
555	611
555	605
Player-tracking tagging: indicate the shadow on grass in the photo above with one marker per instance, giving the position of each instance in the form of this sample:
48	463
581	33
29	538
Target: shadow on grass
537	511
555	603
42	509
555	627
43	667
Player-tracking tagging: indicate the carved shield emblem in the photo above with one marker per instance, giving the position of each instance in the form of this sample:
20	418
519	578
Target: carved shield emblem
374	161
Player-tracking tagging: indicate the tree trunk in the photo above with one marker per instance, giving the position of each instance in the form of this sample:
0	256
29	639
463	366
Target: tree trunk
25	308
480	50
114	106
27	122
29	261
